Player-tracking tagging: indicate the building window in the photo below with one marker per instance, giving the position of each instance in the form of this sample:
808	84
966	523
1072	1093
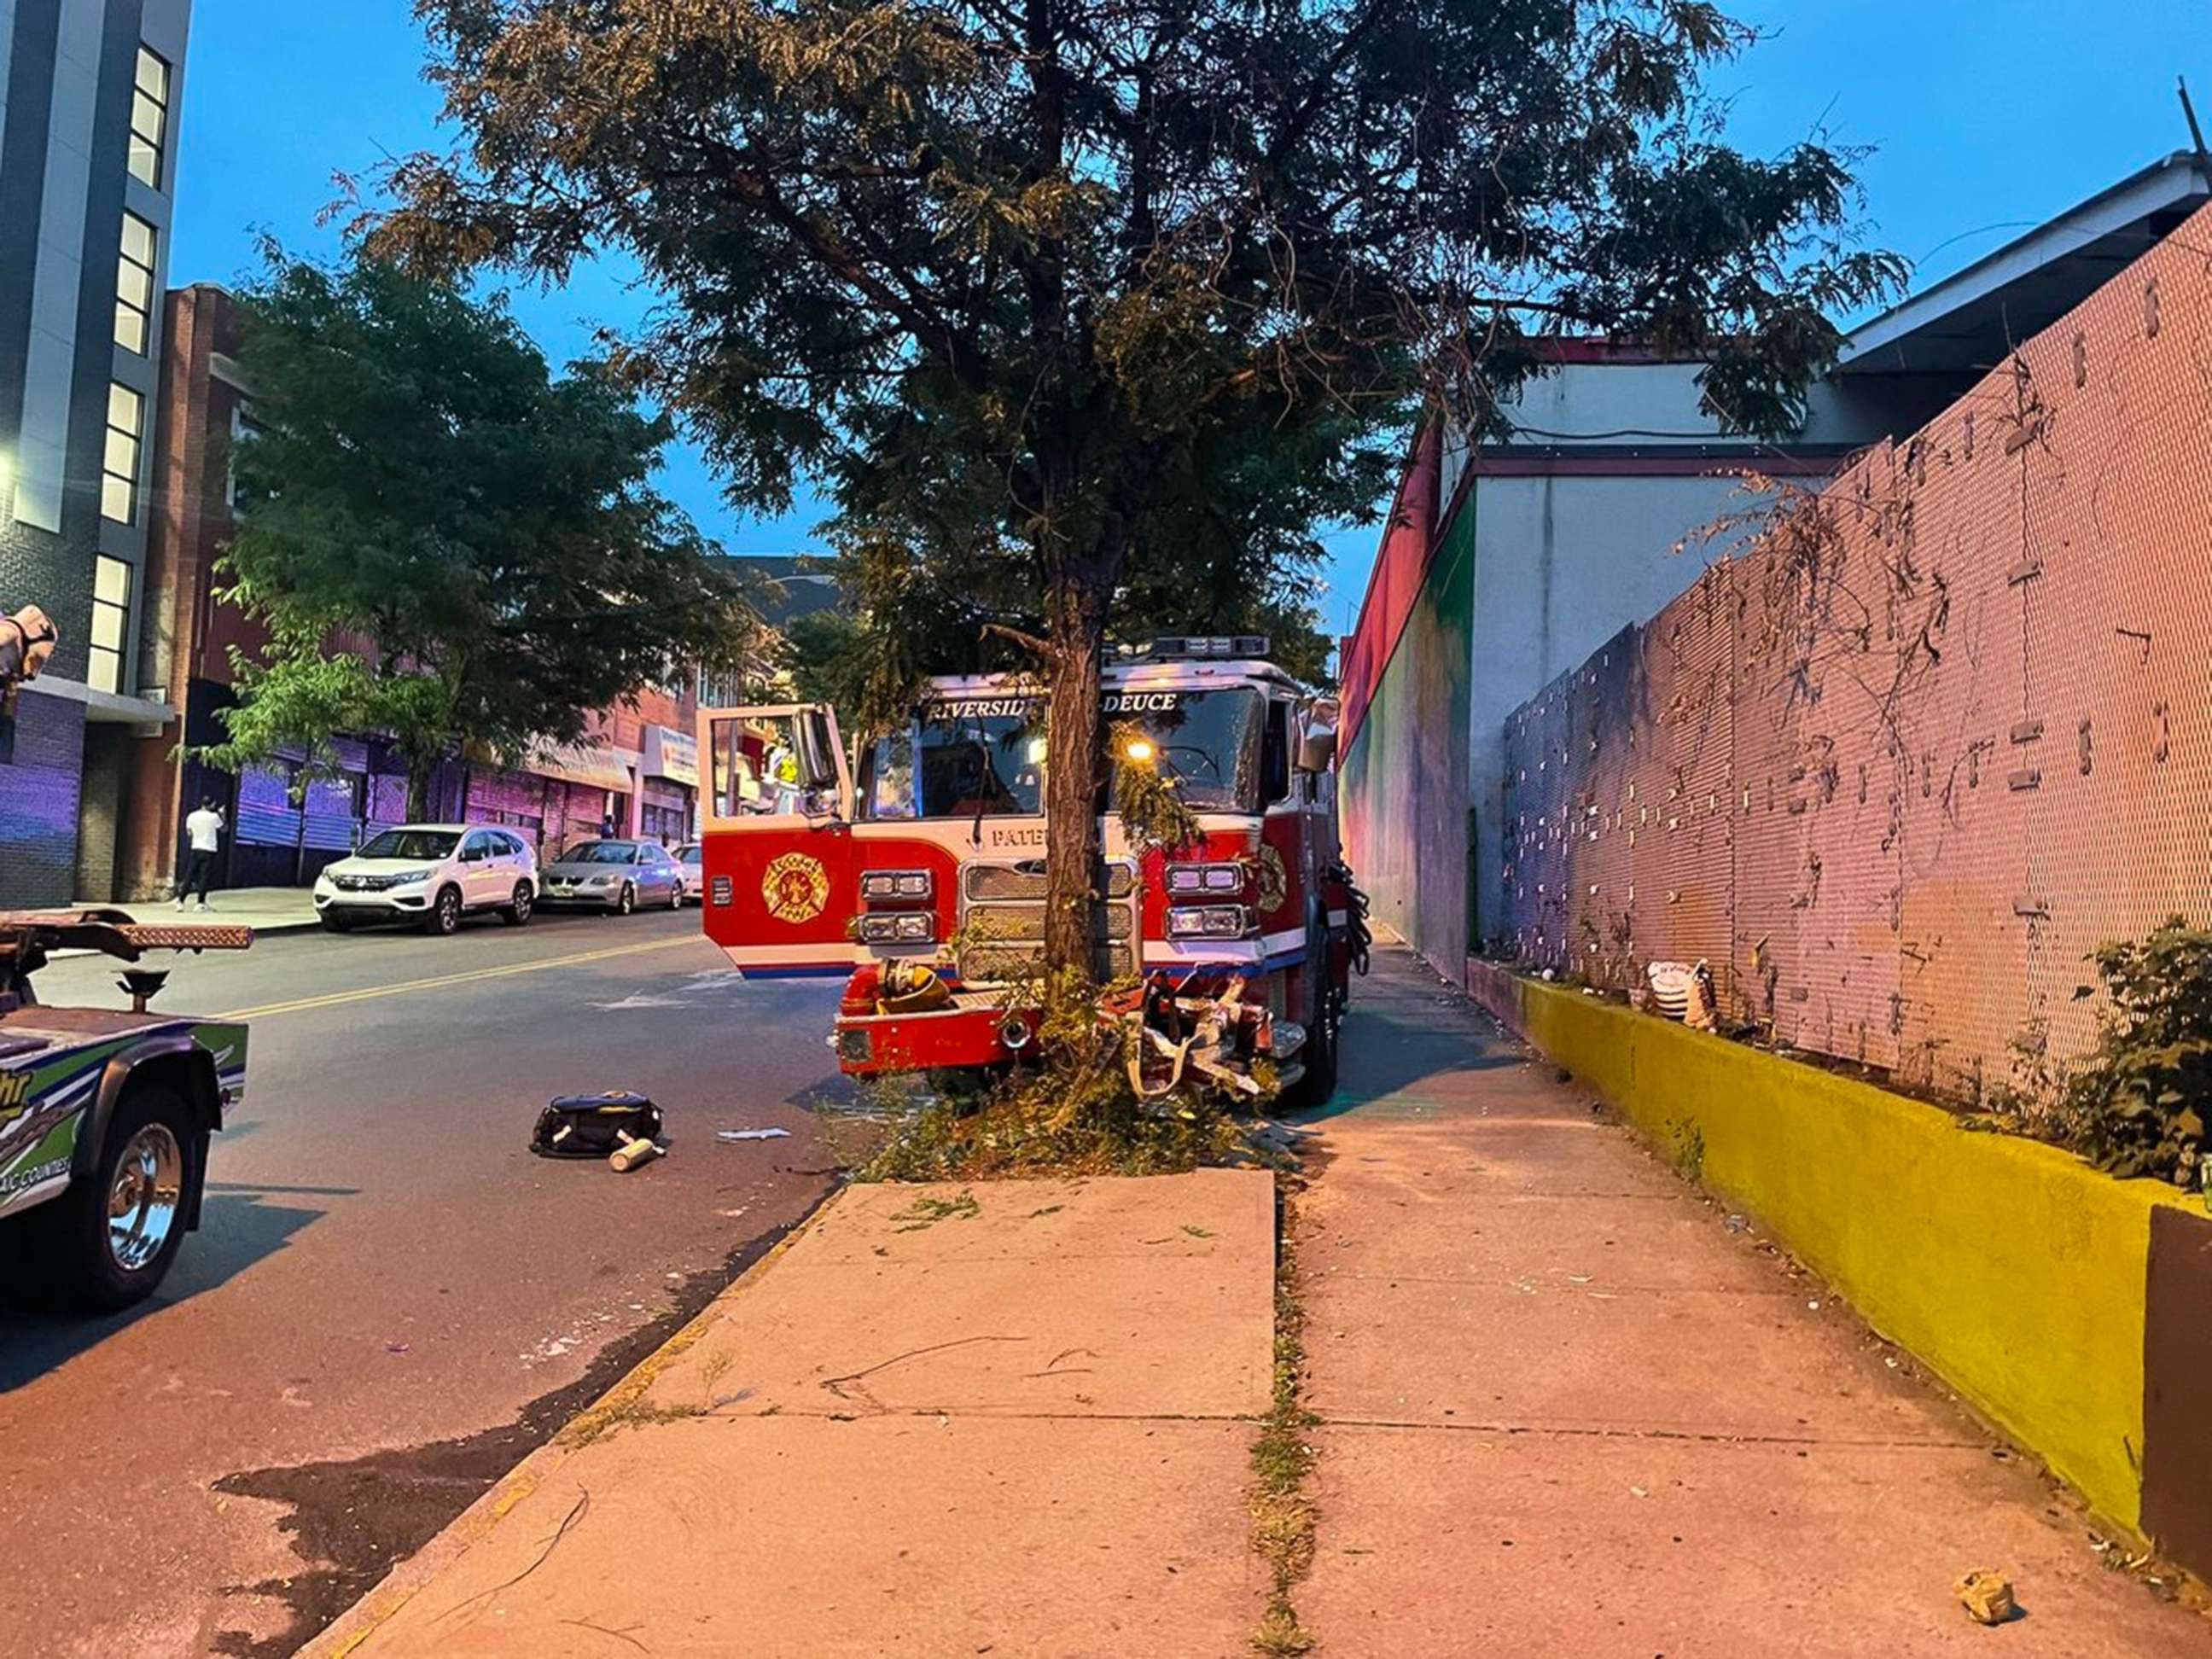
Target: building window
111	622
119	483
149	119
133	286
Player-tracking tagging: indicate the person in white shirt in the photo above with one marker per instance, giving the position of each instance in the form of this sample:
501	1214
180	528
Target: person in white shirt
204	836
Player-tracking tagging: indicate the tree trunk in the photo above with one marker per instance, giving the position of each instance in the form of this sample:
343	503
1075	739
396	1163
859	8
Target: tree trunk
1075	605
420	770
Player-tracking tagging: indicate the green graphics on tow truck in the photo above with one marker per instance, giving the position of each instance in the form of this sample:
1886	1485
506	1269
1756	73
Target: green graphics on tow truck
50	1071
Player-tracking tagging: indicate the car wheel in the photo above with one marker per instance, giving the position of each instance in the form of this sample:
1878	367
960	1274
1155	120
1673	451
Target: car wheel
676	896
519	907
109	1240
444	917
626	901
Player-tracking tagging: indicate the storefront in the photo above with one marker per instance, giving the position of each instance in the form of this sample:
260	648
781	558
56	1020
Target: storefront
582	791
668	785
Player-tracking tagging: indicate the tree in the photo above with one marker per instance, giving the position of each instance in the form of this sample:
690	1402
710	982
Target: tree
447	544
1072	299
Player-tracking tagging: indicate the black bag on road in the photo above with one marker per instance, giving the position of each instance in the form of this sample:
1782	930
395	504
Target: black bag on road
593	1126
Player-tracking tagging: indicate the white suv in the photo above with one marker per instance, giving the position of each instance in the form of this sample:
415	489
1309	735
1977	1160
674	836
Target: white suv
432	874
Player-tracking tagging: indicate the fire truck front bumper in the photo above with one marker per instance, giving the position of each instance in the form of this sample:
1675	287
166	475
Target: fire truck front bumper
875	1045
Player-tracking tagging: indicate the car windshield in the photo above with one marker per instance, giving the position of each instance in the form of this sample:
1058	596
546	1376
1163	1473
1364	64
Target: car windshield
688	853
601	852
409	844
984	756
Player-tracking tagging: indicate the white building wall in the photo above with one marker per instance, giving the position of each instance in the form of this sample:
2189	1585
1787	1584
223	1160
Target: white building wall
1562	564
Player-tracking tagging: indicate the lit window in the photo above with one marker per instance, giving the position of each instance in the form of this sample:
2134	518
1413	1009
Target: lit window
134	285
111	621
118	482
149	119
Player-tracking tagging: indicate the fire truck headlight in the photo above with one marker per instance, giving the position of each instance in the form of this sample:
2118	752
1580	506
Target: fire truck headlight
909	928
1206	879
1209	921
896	885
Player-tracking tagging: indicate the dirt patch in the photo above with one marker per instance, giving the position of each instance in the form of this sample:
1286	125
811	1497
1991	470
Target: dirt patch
352	1522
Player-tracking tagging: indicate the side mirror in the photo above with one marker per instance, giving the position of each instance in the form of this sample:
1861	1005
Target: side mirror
1317	748
817	754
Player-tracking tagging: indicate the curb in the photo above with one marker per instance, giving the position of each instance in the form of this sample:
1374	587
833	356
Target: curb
359	1622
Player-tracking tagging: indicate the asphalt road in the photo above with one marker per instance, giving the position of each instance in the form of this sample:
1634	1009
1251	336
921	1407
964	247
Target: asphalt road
391	1301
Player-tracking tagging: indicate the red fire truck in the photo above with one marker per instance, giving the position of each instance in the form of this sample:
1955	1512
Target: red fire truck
920	883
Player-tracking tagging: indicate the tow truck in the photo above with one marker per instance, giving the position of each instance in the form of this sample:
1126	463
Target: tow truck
104	1112
914	870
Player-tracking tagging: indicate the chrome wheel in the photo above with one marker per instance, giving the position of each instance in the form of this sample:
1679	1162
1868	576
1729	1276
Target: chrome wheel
145	1196
628	902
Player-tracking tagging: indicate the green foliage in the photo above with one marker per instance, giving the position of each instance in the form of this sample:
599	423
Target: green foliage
445	541
2136	1105
1073	1112
1152	815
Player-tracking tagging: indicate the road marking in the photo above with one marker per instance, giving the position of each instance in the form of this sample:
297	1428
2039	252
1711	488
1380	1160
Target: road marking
367	993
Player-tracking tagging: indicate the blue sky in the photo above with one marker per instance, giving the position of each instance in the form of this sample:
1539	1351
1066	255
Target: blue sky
1984	119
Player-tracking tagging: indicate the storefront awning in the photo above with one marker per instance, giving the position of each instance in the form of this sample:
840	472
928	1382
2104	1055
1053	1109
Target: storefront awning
593	767
672	754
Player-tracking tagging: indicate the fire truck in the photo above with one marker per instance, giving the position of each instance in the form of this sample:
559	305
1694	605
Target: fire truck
914	872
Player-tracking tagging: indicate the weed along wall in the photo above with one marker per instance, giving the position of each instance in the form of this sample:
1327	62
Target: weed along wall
2011	1268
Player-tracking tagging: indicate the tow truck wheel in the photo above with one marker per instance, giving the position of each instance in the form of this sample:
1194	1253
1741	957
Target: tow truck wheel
108	1240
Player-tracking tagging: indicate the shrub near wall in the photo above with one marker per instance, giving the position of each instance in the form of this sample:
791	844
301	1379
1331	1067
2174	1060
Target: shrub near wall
2012	1269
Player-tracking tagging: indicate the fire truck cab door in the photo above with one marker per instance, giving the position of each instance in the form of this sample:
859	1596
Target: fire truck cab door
777	852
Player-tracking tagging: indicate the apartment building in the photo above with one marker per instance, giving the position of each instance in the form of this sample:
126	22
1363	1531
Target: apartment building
89	96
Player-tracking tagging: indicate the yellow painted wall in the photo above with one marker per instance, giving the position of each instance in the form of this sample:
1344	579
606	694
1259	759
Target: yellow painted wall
2009	1268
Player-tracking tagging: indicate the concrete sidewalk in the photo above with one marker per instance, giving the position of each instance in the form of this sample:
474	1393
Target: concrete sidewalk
1011	1418
1568	1409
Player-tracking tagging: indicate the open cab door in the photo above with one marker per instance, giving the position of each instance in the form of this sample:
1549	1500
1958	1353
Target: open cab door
777	843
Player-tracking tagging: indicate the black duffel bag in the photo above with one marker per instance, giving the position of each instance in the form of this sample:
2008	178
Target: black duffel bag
593	1125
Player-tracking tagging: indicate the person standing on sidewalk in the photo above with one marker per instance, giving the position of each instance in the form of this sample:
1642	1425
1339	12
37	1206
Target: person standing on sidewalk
204	836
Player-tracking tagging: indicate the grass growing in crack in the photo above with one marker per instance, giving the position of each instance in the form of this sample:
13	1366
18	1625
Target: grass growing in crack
1282	1458
928	1211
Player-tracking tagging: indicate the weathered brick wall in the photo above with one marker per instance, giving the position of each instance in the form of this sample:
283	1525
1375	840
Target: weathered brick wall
1900	764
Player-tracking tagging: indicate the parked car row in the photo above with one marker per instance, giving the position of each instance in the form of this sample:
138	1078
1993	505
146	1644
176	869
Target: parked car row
434	876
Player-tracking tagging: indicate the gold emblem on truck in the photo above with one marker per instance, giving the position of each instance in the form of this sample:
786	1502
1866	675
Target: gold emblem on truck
795	888
1274	880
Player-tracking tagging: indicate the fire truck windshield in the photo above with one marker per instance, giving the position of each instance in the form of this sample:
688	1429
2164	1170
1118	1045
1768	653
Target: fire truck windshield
985	755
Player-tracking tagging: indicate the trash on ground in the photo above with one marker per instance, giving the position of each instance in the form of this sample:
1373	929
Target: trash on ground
634	1151
594	1125
751	1134
1682	990
1987	1596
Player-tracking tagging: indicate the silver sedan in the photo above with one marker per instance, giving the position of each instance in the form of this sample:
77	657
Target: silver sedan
615	876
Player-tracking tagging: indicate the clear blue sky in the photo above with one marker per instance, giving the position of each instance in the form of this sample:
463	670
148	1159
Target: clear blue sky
1983	120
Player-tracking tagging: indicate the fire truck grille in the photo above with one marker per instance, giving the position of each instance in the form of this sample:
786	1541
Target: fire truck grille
1002	925
1000	884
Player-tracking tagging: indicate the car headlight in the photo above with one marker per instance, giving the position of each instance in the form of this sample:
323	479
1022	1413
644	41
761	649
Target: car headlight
896	885
911	927
408	877
1206	878
601	881
1209	921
